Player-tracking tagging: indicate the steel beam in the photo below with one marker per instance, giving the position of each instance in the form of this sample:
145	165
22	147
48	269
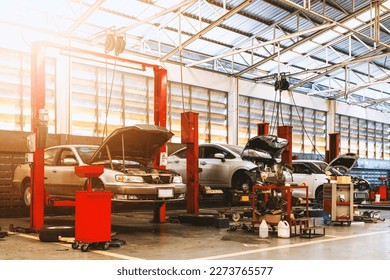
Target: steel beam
155	16
340	24
84	17
207	29
300	42
300	33
366	57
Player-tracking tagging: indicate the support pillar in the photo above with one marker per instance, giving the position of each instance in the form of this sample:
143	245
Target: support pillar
189	136
285	132
262	129
37	104
160	119
334	146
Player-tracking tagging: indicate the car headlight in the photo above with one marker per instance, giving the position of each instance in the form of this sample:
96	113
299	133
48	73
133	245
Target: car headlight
129	179
177	180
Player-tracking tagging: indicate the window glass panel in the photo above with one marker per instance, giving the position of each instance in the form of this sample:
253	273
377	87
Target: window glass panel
370	139
84	109
211	106
344	134
178	102
243	119
362	138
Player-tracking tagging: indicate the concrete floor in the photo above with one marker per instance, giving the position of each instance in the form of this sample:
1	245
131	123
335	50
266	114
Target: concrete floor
173	241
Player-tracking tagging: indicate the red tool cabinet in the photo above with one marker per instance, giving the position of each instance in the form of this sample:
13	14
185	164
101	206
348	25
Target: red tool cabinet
93	213
93	216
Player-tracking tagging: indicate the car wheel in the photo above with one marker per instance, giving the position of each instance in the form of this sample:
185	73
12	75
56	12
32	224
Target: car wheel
320	195
242	183
27	194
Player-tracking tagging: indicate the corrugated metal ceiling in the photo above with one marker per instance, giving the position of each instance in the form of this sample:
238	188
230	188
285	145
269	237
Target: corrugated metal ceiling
154	26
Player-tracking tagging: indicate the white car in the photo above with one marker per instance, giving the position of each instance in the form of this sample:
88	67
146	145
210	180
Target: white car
313	174
226	166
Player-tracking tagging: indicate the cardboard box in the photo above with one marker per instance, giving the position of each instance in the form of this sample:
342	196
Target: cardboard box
269	218
343	179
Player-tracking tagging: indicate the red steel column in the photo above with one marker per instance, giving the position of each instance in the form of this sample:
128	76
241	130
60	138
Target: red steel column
262	129
334	145
189	136
160	103
285	132
160	119
37	103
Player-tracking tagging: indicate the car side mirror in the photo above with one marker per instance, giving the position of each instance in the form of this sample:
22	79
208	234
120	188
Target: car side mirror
220	156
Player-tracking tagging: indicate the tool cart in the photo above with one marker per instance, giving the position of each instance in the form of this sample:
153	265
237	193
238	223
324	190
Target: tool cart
93	213
338	201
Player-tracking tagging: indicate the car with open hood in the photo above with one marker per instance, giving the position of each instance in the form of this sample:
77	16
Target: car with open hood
314	174
225	166
127	156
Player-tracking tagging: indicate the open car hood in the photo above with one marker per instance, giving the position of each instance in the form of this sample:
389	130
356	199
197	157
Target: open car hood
139	143
270	144
345	161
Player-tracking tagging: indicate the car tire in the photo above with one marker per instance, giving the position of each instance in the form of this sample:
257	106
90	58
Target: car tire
27	194
53	233
242	183
320	195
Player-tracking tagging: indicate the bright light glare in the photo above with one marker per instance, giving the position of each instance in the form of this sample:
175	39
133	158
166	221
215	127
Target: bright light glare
24	22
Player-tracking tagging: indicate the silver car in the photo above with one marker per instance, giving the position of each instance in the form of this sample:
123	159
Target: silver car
226	166
126	154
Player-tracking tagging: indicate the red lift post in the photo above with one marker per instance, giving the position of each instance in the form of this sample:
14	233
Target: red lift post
189	136
160	119
285	132
38	88
262	129
334	146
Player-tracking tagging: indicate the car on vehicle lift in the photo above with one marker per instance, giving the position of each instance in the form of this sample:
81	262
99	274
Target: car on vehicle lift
314	174
127	156
233	167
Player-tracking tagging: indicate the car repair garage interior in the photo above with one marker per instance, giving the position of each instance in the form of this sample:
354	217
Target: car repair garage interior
195	130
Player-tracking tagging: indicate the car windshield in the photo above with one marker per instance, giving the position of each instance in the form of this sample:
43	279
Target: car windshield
323	166
234	148
86	153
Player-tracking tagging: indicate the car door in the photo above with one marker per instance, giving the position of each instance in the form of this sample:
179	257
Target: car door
302	174
177	162
215	171
61	178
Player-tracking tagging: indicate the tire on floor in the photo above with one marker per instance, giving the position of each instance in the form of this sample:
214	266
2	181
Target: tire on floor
53	233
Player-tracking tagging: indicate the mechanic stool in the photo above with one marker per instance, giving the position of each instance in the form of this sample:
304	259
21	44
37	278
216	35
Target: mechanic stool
297	225
310	231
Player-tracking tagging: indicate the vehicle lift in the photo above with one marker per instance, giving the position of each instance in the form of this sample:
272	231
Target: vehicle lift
39	123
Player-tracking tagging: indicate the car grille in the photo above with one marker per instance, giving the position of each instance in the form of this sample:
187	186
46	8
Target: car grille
157	179
153	197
